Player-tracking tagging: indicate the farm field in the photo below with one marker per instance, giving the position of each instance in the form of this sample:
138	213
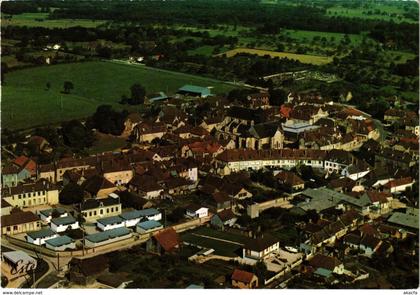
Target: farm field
41	20
26	102
304	58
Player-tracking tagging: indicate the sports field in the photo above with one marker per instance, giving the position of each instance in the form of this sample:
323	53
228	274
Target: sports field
27	102
41	20
304	58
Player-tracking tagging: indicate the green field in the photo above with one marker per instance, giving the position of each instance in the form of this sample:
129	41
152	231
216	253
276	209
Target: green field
27	103
307	36
41	20
224	248
303	58
379	11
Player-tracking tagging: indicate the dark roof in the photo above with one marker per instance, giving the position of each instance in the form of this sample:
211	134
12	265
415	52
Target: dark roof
94	184
246	114
40	185
18	218
264	130
220	197
46	232
226	215
242	276
259	244
96	203
324	261
90	266
370	241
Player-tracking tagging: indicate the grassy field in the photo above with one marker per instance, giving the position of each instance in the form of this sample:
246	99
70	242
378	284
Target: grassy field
304	58
26	102
41	20
224	248
379	11
307	36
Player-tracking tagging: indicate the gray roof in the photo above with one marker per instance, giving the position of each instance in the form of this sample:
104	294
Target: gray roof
149	224
110	220
134	214
59	241
43	233
15	256
108	234
404	219
195	89
96	203
48	212
323	198
63	220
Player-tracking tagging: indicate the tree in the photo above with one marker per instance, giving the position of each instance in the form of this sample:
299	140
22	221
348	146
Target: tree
68	86
72	193
138	93
76	135
47	86
277	96
107	120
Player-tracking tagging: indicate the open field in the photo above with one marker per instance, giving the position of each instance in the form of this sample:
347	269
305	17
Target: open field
304	58
41	20
26	102
380	12
307	36
211	238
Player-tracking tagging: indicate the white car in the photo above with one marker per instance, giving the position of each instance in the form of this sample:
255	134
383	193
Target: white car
291	249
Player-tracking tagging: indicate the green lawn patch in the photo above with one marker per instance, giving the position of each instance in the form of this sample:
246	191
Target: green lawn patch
27	103
41	20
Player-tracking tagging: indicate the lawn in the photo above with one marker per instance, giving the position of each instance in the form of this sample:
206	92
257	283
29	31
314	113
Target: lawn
196	237
41	20
303	58
27	103
206	50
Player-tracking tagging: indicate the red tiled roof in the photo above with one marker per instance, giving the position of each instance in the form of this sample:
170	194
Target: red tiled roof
380	197
168	239
21	160
398	182
242	276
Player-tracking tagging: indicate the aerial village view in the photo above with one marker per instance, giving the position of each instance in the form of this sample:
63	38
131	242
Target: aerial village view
196	144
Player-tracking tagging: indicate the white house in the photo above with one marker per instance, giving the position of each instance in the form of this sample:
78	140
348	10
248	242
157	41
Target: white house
39	237
60	243
107	237
62	224
257	249
46	215
111	222
148	226
195	211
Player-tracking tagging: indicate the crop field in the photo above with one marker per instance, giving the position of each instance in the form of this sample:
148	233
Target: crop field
27	102
307	36
303	58
41	20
